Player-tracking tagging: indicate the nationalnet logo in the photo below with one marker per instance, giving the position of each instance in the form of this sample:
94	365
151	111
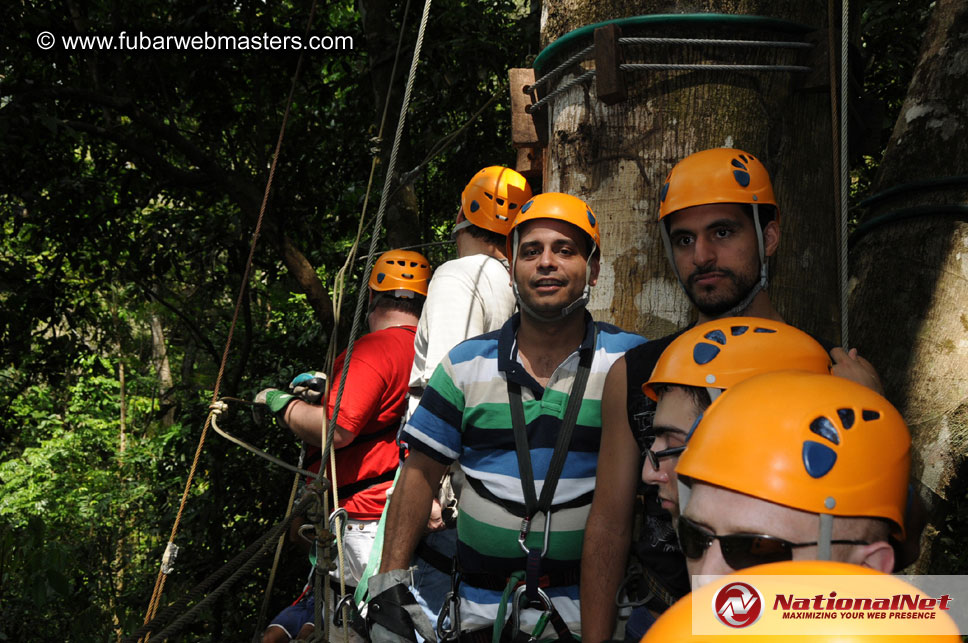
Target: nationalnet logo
829	604
738	604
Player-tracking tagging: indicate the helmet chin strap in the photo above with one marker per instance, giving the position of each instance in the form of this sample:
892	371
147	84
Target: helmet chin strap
581	302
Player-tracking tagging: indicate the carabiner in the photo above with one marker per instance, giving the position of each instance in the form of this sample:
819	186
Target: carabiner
516	606
451	633
346	599
526	529
338	514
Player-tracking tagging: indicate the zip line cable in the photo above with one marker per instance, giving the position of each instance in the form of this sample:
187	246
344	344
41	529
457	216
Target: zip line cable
338	292
844	174
374	240
160	580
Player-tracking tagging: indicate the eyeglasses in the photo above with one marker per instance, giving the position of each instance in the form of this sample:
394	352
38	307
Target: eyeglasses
741	550
655	456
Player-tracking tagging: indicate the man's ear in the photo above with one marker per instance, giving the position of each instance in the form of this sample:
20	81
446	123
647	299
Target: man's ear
771	237
595	264
879	556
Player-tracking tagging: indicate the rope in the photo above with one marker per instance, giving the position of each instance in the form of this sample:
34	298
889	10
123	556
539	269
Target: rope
216	410
320	596
378	223
280	542
769	44
160	579
442	145
252	552
844	169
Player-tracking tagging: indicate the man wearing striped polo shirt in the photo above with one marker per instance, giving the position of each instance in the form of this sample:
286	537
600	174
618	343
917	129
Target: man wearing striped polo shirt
520	410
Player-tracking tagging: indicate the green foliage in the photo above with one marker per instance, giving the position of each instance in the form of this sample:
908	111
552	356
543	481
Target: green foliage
130	184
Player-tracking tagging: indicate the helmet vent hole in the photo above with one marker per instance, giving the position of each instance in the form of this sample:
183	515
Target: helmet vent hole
500	201
818	459
846	417
870	415
513	206
736	331
716	336
763	330
704	353
407	275
488	195
825	429
736	163
742	177
743	156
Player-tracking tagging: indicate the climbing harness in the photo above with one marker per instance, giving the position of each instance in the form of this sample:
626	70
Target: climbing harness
534	504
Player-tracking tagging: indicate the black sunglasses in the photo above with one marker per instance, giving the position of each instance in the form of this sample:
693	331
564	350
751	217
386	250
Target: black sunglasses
655	456
741	550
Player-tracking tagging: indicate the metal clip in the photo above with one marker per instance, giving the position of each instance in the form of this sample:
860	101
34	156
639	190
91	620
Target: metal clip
340	515
451	633
526	529
344	601
547	607
168	558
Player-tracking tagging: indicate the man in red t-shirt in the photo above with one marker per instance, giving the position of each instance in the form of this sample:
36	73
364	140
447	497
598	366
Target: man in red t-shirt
373	402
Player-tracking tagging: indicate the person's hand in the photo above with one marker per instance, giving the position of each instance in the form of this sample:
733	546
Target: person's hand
393	615
272	400
309	387
851	366
436	520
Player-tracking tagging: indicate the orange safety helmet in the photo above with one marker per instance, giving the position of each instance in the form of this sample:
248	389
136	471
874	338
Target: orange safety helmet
818	443
724	352
493	198
401	270
561	207
720	175
676	623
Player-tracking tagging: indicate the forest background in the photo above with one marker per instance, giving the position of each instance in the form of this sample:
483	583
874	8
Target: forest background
130	183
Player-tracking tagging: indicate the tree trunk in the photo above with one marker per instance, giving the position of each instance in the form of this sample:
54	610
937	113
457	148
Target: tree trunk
617	157
159	355
908	306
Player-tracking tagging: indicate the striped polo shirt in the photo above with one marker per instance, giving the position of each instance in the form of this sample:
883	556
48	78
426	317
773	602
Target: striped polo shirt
465	415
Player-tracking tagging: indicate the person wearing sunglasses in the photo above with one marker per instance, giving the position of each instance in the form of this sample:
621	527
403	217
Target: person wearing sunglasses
702	363
794	466
720	222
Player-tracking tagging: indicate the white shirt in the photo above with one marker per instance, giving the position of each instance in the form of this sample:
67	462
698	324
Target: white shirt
466	297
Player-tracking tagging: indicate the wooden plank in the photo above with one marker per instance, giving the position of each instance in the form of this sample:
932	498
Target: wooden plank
609	79
523	131
530	162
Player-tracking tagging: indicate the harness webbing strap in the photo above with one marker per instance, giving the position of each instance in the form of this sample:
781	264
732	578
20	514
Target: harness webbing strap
534	504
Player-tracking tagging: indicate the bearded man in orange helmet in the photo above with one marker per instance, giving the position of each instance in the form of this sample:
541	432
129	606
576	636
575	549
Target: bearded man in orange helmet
719	221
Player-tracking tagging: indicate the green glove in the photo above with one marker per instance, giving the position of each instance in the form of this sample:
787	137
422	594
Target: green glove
274	400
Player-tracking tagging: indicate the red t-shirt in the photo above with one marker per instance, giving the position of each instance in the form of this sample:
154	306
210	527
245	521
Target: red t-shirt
374	400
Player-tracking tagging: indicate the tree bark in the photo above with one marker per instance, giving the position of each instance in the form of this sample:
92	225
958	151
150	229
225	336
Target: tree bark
910	296
617	157
159	354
